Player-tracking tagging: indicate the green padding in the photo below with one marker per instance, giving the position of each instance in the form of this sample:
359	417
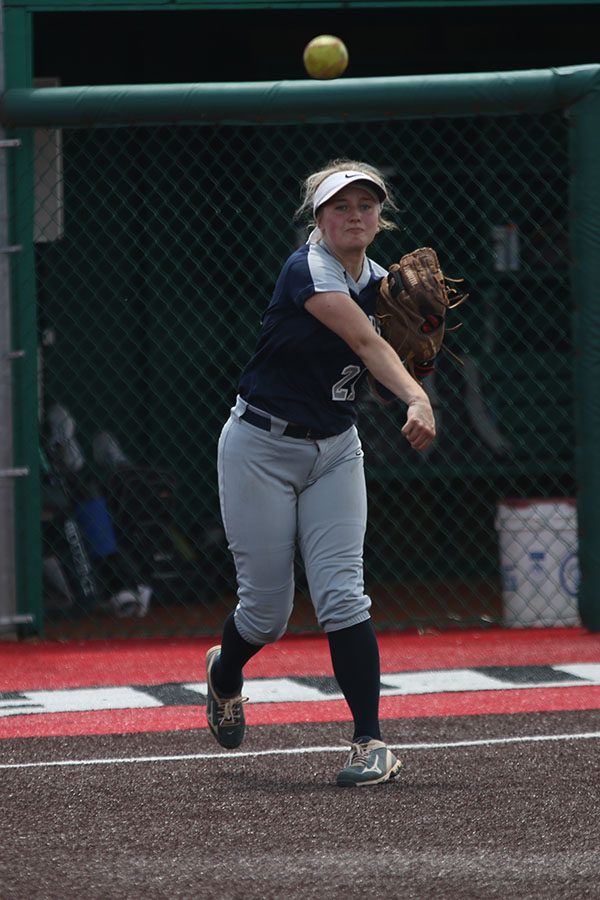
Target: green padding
347	99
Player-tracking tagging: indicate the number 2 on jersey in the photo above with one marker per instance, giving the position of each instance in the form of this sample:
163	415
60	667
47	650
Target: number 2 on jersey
345	388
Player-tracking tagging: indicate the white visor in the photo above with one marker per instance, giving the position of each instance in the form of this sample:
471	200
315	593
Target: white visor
338	180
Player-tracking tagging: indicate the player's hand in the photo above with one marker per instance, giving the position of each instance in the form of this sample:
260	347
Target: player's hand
419	429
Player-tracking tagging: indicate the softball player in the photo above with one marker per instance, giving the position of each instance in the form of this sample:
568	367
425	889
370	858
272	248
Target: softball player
290	462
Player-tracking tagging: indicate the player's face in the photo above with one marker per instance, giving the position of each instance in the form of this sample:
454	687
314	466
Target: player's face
350	220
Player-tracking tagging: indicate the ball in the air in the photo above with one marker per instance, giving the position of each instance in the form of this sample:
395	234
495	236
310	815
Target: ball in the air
325	56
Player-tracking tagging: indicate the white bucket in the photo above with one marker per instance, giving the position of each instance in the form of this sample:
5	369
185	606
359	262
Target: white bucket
539	562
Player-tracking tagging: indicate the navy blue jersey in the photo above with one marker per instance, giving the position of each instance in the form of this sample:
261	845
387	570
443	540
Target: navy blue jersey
301	371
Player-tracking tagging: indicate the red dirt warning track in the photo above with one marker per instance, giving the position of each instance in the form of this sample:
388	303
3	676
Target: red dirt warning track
46	666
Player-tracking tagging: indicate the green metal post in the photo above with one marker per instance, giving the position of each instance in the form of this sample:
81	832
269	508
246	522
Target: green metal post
585	253
18	57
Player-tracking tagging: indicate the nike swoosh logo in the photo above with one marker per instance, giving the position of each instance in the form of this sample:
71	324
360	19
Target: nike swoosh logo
349	176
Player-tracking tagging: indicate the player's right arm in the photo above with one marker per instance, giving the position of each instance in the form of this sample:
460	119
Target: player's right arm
338	312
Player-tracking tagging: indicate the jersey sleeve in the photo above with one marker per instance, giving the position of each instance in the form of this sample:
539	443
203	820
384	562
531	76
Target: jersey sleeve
317	273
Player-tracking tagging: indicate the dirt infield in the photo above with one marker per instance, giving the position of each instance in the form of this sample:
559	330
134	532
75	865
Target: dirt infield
486	807
112	788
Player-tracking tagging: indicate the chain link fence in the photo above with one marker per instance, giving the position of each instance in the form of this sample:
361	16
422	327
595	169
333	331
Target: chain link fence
156	252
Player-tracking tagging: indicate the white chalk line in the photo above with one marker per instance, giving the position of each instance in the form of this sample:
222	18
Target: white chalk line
298	751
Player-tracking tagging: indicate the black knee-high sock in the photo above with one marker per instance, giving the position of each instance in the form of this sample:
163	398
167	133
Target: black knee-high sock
355	659
226	672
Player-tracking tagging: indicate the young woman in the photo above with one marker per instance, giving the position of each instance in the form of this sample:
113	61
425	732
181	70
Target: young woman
290	462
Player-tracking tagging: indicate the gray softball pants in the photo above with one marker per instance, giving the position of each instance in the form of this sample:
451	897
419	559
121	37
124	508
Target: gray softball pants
277	493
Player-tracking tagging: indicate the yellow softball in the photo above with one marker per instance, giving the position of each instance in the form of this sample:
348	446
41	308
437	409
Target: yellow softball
325	56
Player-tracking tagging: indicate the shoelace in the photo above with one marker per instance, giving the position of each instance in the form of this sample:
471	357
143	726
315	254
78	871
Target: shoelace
359	754
229	710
